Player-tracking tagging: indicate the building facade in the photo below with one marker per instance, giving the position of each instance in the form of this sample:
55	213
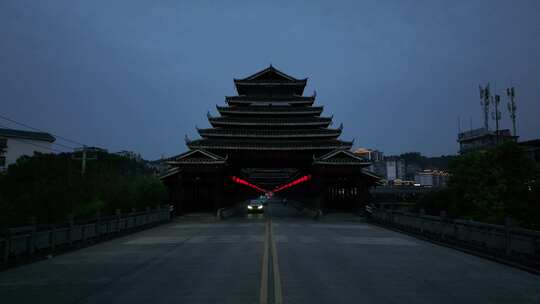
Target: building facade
269	138
431	178
395	168
482	139
17	143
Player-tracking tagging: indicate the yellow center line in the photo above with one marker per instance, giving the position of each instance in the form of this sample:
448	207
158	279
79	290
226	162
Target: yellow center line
278	294
263	299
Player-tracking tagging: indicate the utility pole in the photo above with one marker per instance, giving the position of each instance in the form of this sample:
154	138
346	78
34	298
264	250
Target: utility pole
512	108
84	158
497	114
83	162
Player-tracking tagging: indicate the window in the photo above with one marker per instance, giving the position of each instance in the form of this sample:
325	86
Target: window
2	161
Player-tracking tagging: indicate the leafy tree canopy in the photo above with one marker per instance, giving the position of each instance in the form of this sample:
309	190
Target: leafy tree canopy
491	186
49	187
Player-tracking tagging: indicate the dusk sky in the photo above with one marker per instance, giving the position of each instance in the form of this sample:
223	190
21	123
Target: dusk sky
139	75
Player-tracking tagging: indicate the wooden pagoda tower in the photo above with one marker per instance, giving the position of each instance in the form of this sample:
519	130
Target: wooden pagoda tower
269	135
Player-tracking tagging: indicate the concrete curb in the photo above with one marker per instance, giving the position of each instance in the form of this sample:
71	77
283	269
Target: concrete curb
227	212
313	213
310	212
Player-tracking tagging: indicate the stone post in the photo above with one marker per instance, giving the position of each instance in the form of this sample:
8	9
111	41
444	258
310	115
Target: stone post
70	231
118	214
98	223
31	241
508	224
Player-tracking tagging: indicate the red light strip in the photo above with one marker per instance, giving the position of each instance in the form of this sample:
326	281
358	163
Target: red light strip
245	183
295	182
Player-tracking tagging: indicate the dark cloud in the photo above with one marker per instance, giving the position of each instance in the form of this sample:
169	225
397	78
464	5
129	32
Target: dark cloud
139	75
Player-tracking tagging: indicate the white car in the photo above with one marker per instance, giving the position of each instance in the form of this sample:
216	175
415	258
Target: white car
255	205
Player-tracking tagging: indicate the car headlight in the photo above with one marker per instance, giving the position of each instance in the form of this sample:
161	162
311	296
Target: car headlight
259	207
250	207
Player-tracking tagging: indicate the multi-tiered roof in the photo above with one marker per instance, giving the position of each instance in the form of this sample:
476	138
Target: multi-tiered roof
270	113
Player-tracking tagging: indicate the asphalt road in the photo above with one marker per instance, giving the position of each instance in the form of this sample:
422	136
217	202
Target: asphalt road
199	260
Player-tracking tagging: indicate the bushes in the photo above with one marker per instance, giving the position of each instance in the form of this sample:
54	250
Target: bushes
489	186
49	187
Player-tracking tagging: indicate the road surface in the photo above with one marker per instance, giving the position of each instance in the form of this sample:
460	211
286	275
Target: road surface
282	256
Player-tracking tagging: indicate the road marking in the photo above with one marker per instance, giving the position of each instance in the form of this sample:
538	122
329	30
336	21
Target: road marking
392	241
278	294
263	299
341	226
280	238
233	238
198	239
215	225
308	239
155	240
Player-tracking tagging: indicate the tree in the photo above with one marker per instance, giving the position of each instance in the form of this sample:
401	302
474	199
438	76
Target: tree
491	186
49	187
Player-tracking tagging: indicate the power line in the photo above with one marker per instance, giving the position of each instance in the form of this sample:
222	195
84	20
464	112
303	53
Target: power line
39	130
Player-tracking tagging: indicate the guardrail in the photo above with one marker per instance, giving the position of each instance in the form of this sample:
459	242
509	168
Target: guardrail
29	240
502	242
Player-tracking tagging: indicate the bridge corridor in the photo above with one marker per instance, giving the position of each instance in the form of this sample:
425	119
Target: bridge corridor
282	255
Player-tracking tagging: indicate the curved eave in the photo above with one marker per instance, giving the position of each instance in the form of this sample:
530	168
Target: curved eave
267	103
285	100
275	148
221	123
269	111
271	98
350	163
209	133
243	82
194	162
284	146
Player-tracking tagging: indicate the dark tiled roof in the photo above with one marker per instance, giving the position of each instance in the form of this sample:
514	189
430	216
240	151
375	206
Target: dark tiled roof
12	133
271	110
270	98
341	157
269	74
316	121
266	133
224	144
197	156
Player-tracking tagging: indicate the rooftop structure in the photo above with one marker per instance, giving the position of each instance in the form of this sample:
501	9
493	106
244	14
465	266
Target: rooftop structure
482	139
31	135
